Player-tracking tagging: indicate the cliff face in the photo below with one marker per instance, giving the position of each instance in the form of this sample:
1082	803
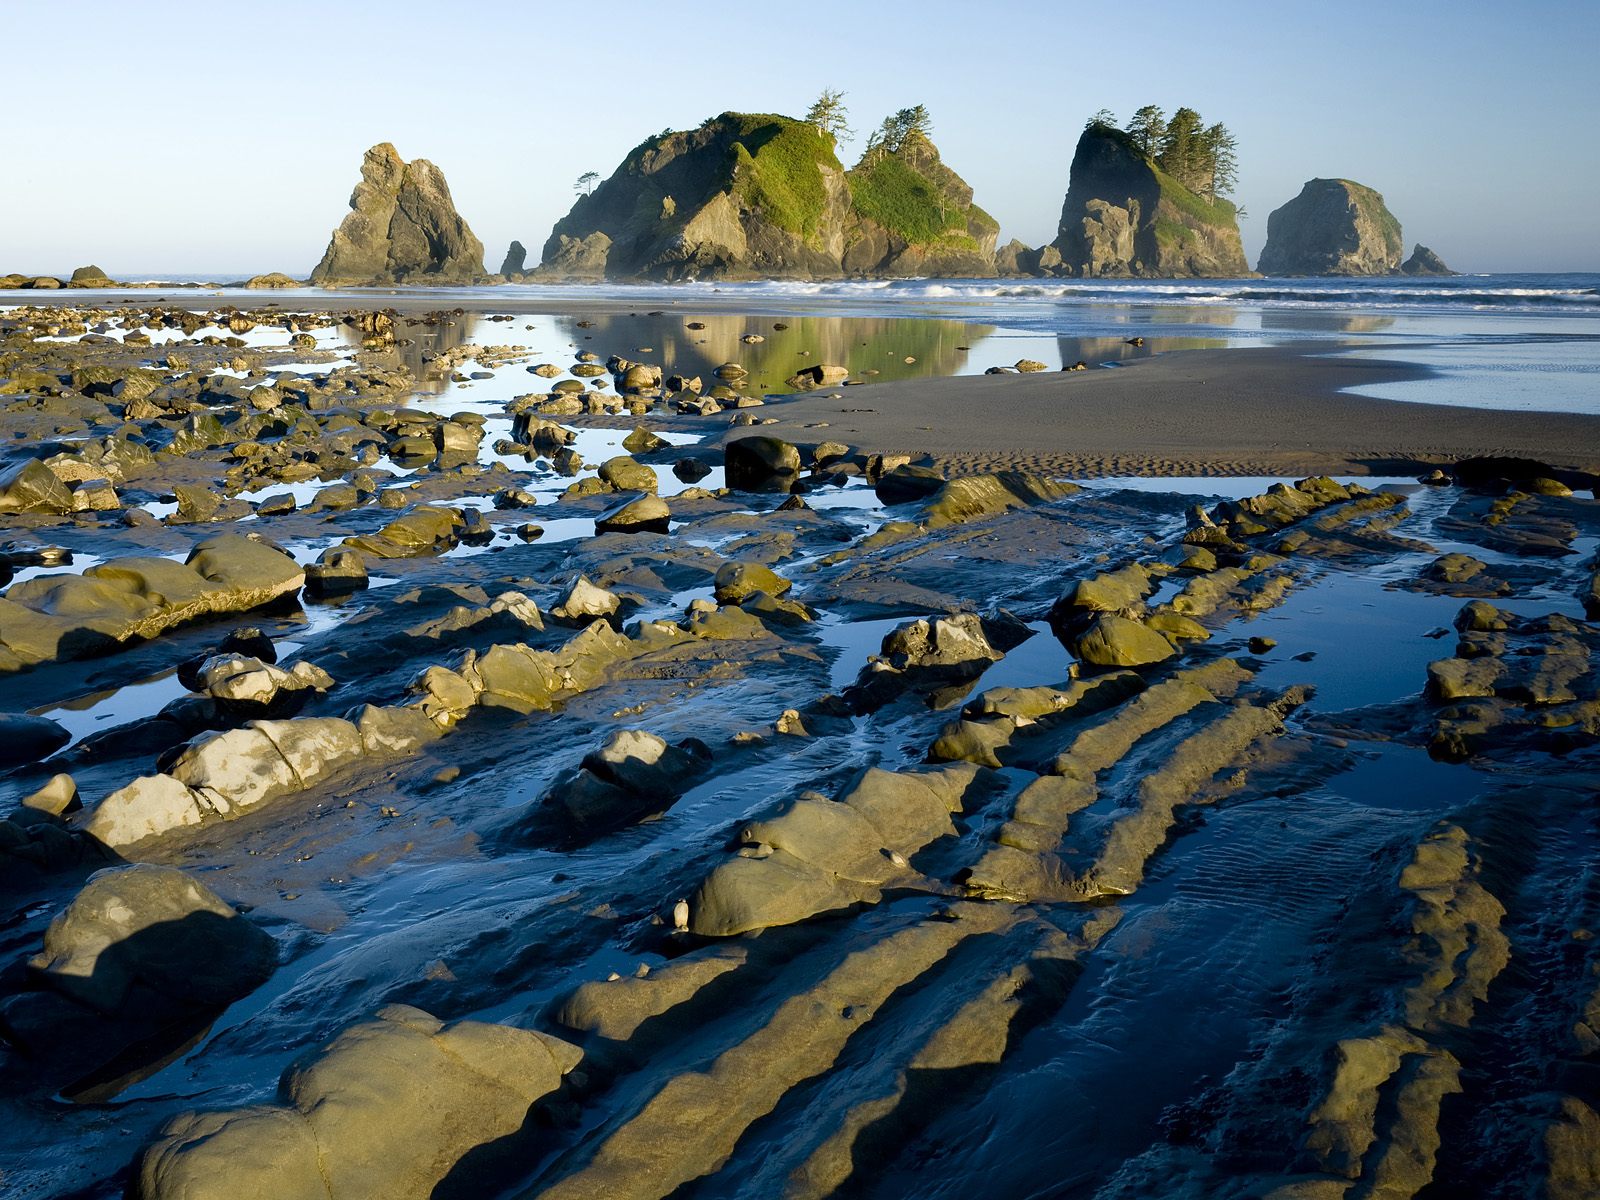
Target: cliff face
1125	216
747	196
1333	227
402	228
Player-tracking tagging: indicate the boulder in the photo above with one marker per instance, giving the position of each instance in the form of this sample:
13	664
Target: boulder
339	571
761	464
642	514
737	581
624	474
1113	641
25	739
633	775
585	602
157	930
391	1107
31	487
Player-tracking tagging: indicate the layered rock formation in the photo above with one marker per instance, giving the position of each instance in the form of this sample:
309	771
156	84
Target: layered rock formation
766	196
1125	216
1333	227
402	228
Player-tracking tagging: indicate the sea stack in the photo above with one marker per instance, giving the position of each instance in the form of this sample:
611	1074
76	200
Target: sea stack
765	196
1424	262
402	228
1333	227
1125	216
515	261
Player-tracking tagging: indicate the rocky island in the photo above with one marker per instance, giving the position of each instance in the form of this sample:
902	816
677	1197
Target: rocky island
1333	227
765	196
1125	215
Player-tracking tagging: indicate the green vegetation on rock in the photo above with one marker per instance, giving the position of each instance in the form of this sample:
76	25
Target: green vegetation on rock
902	201
777	169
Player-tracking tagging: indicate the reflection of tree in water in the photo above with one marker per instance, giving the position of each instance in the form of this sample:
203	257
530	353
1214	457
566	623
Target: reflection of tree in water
415	338
862	344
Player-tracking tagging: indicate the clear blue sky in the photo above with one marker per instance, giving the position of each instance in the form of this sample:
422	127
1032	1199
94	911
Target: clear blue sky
171	137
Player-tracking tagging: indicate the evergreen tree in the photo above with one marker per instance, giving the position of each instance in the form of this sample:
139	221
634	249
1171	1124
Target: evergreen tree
1148	128
1105	118
1223	152
890	136
586	182
830	115
1183	151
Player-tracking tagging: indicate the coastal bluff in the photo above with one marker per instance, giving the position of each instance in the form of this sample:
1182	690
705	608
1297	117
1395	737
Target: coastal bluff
765	196
1125	216
1333	227
402	227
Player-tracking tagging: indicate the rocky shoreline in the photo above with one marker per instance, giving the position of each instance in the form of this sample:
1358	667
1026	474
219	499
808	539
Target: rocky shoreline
452	767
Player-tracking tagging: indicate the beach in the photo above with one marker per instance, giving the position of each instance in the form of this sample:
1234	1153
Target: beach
684	782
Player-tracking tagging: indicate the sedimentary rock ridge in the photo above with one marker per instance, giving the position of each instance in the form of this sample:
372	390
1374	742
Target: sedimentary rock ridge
402	227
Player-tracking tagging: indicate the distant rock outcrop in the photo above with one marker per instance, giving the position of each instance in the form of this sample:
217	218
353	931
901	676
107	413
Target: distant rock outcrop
1333	227
515	261
402	228
1424	262
1125	216
759	195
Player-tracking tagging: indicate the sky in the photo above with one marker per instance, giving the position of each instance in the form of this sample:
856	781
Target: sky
172	138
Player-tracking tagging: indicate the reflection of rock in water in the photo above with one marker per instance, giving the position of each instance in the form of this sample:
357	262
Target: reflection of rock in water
861	343
418	340
1115	349
1323	322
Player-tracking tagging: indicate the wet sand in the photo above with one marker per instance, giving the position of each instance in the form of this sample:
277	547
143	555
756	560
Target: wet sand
1205	412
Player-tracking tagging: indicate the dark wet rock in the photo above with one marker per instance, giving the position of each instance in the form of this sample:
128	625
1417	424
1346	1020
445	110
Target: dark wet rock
641	514
132	971
632	776
25	739
931	654
690	470
392	1107
761	464
403	227
818	375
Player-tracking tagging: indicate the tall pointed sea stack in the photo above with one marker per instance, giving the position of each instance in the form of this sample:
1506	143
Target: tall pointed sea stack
1125	216
402	228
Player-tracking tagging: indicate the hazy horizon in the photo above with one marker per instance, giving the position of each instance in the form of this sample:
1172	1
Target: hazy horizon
230	146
